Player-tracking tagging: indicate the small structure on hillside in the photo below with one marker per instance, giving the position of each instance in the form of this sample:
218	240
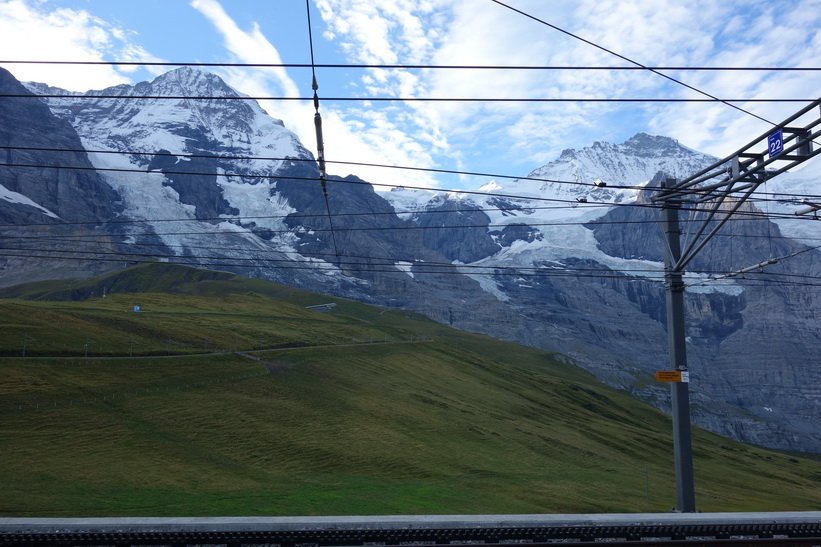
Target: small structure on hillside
321	307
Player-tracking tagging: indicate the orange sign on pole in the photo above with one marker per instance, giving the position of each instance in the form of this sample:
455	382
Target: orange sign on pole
672	376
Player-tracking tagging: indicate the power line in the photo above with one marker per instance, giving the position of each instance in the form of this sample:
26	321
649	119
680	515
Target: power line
310	160
425	66
729	102
344	259
348	163
751	216
90	237
421	266
417	268
56	238
632	62
482	193
289	177
252	218
302	160
377	260
292	265
572	203
360	164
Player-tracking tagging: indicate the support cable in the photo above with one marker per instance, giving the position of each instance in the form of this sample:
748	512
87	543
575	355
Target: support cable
405	227
354	259
758	268
421	66
780	196
416	99
631	61
696	191
320	144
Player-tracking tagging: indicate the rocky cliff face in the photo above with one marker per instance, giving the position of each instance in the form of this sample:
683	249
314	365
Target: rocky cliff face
46	177
572	264
50	194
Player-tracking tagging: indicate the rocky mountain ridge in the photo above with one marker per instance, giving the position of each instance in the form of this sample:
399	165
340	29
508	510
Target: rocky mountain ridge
570	264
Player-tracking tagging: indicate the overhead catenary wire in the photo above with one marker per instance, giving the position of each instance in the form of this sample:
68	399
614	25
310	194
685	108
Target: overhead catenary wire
95	235
570	203
308	160
107	241
352	266
639	188
544	265
760	267
418	213
260	231
359	267
289	177
354	260
632	62
436	227
681	68
729	101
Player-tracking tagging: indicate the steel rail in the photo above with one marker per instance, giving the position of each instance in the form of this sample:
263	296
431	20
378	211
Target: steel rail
716	533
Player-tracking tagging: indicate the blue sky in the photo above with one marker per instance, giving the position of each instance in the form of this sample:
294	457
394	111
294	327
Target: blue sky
506	138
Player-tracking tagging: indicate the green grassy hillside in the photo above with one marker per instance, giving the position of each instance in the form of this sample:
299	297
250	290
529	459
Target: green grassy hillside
360	410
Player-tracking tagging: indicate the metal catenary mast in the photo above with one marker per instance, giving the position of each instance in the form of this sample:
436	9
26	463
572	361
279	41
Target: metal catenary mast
737	176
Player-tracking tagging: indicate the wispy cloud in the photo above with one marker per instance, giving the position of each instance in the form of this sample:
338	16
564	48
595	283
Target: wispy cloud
39	33
249	46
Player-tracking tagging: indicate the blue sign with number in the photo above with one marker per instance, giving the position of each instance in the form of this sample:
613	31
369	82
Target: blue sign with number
775	142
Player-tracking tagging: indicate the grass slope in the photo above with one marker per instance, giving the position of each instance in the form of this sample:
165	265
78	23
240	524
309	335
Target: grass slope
357	411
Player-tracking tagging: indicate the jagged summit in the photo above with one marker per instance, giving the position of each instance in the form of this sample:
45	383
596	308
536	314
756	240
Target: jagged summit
631	164
641	144
194	112
644	141
183	81
190	81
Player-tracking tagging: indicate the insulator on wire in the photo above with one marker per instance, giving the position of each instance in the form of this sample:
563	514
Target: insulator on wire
320	146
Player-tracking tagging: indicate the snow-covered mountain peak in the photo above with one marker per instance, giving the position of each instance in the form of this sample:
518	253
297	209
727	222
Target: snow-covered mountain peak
644	144
189	82
600	173
183	111
491	186
631	163
607	172
208	148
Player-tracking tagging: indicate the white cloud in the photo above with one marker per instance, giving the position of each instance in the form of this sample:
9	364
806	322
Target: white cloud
649	32
32	31
759	35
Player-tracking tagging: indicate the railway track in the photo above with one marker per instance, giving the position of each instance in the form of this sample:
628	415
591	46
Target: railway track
729	529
